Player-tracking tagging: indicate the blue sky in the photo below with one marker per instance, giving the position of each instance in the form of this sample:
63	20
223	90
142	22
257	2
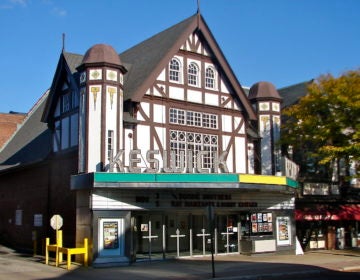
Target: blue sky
281	41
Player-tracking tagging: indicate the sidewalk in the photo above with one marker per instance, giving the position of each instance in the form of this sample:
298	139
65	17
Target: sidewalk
16	266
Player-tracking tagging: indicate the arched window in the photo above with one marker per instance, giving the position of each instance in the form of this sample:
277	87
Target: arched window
174	70
193	74
210	77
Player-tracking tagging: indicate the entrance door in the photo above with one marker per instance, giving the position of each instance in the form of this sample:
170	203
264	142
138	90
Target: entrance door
177	235
149	237
111	237
201	238
227	233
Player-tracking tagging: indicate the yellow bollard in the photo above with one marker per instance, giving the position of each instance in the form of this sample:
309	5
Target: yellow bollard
47	243
59	243
86	254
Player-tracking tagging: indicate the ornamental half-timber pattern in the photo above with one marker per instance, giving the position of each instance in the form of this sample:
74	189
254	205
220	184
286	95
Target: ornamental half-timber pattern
154	128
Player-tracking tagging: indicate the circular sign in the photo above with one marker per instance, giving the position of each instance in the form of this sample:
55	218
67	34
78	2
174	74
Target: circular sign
56	222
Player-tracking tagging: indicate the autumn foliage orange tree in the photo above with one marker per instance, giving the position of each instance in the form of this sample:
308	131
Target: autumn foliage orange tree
324	126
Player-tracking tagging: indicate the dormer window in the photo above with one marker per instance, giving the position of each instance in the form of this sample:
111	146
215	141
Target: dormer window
193	74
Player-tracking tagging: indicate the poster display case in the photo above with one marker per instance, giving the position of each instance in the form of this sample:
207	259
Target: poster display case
261	224
283	231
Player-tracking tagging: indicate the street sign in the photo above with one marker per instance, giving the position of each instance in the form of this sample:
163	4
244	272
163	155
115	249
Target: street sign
56	222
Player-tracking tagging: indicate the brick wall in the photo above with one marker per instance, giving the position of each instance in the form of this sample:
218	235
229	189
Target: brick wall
8	125
40	189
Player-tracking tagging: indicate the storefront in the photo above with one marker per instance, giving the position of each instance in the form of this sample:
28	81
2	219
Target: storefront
134	217
328	226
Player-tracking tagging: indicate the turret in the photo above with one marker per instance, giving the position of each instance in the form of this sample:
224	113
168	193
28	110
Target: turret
101	107
266	101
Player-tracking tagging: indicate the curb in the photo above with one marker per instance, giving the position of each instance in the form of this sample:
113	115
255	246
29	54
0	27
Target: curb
295	274
350	268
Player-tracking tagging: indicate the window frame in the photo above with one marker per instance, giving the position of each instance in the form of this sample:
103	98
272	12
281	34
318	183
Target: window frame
193	74
210	81
193	118
110	143
175	75
68	99
184	141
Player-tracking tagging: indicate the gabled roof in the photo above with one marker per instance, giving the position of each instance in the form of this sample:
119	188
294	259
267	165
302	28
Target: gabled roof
73	60
150	57
293	93
146	60
65	68
31	142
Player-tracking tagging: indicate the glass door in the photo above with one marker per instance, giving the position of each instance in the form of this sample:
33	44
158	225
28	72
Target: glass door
177	235
201	238
227	234
149	237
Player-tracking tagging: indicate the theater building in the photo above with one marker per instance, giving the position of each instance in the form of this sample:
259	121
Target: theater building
155	152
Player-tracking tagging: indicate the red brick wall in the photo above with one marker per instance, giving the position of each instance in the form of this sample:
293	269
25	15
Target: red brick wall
39	189
25	190
8	125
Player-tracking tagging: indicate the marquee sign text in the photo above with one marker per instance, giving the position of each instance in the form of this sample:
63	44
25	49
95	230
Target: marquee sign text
172	162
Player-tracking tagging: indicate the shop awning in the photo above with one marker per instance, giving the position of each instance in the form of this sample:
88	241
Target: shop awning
326	213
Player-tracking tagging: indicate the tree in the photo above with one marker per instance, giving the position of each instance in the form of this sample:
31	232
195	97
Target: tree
324	126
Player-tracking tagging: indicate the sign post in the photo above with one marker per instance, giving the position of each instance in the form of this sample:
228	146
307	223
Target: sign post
211	219
56	223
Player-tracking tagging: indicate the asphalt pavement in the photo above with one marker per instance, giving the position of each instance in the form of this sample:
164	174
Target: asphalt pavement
338	263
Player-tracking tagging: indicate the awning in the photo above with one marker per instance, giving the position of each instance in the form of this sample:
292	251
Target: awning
325	213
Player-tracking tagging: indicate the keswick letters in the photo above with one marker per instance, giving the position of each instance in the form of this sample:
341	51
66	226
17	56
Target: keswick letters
185	162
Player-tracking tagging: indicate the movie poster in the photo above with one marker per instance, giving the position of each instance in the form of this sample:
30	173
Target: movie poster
264	217
261	223
254	227
283	230
253	217
111	235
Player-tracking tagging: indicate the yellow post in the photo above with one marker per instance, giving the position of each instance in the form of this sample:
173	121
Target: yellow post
47	242
86	255
34	238
59	243
68	261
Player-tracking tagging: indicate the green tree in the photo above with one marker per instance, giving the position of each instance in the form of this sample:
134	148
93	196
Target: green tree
324	126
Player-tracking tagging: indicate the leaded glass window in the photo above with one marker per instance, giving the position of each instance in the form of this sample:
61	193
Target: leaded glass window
194	142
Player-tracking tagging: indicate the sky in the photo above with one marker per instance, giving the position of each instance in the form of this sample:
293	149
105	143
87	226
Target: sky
284	42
